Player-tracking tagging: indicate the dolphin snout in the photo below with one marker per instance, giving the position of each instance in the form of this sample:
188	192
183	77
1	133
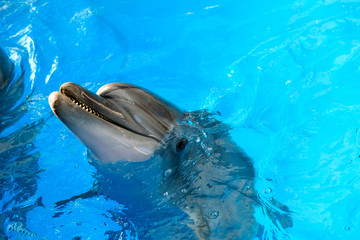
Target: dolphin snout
53	100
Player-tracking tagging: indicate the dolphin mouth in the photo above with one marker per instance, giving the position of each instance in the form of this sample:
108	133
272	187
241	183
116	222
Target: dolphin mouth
86	107
99	107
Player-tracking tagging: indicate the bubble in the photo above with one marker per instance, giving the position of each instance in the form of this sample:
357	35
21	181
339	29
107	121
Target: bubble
213	214
166	194
347	228
267	190
167	172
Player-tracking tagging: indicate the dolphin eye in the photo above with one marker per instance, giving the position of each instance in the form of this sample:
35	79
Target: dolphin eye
181	144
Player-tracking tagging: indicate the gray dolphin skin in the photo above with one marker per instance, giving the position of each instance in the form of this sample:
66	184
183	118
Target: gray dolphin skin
186	159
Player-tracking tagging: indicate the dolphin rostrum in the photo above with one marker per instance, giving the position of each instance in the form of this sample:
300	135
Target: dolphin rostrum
187	158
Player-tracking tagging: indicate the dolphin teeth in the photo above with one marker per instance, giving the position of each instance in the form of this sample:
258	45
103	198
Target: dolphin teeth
86	107
89	109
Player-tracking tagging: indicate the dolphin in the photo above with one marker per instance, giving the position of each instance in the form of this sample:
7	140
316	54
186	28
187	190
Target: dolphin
18	155
6	70
159	151
11	91
11	86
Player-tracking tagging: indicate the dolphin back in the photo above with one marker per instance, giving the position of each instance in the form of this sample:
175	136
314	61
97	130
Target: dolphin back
6	70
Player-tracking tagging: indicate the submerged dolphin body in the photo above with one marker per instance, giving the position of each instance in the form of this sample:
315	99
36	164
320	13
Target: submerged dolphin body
18	155
11	91
157	150
11	88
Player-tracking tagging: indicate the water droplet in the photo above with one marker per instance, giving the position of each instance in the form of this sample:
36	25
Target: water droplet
267	190
167	172
347	228
213	214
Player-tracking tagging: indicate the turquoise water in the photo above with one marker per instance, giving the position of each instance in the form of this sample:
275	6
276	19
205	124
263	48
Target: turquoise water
284	75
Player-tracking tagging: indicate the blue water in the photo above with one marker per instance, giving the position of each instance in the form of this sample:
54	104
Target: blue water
285	76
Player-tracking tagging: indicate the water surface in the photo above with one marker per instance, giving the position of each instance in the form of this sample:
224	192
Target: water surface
284	75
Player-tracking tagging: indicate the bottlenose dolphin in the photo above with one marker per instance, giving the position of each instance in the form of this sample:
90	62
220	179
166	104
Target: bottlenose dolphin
11	90
6	70
18	155
156	149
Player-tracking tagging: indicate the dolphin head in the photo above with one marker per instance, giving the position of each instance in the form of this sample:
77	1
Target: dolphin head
121	122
